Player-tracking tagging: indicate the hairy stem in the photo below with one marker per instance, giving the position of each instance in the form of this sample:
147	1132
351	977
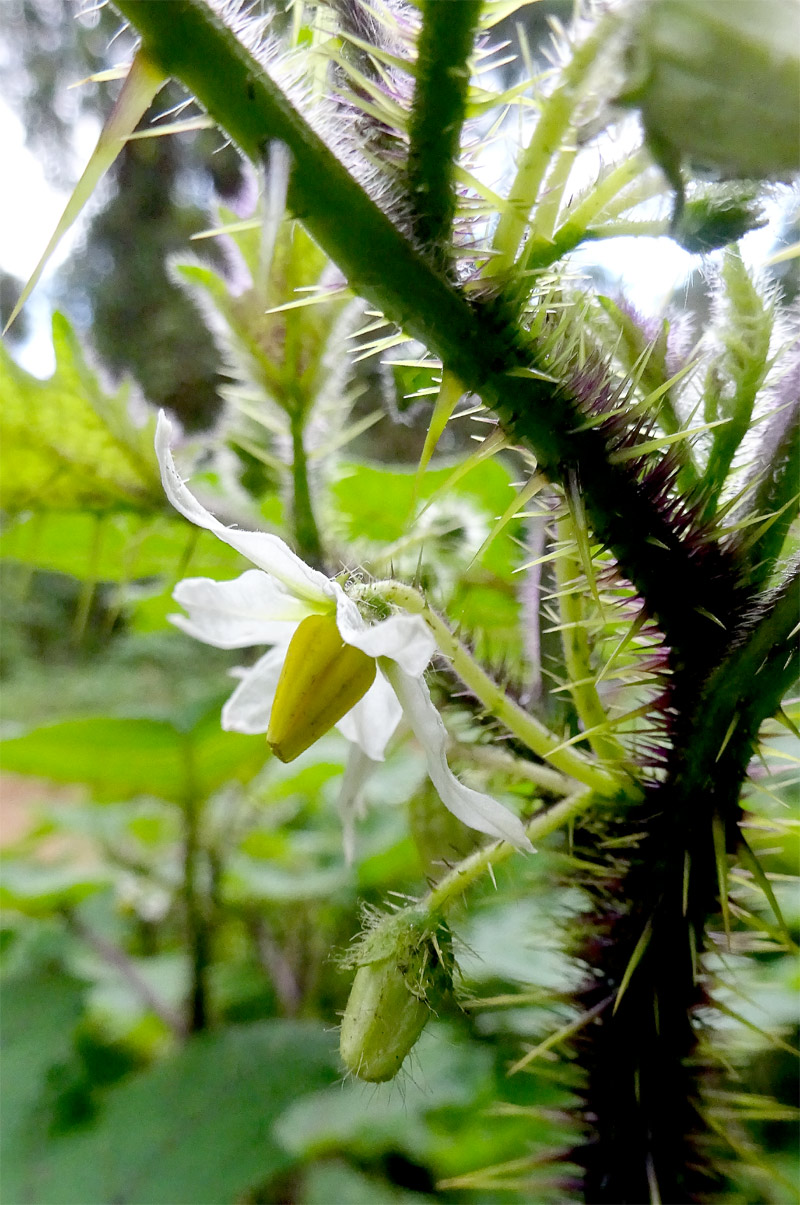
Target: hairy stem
452	886
306	532
437	115
776	499
646	1129
577	661
547	139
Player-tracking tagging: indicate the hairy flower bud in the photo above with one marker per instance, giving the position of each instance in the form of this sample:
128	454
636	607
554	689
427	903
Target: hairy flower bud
404	967
321	680
717	83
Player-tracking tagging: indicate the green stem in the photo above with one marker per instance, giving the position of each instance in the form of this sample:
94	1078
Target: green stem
577	660
615	181
196	929
494	758
525	727
746	687
449	889
545	216
306	533
437	115
197	932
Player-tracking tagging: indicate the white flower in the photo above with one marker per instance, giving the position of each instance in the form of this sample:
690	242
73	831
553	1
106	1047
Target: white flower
266	605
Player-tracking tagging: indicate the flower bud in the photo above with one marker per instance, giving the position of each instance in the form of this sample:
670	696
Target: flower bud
717	83
404	968
321	680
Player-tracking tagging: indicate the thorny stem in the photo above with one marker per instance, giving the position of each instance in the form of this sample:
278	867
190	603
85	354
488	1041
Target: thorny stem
547	139
478	343
575	643
525	727
449	888
436	118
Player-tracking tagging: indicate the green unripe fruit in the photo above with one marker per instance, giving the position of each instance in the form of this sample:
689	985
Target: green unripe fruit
404	969
382	1022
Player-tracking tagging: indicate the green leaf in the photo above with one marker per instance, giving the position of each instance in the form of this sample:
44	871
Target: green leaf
247	880
66	442
335	1181
119	757
117	547
376	503
40	1010
369	1122
196	1127
38	890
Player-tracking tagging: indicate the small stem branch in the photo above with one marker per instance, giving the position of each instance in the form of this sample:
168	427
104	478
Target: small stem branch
525	727
196	929
117	958
493	758
197	932
776	497
278	968
450	888
437	115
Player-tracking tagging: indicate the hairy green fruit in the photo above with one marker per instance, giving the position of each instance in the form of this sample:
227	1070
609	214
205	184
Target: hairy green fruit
382	1022
404	968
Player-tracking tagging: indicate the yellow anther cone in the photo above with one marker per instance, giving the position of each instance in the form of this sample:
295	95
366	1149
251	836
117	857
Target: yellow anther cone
321	680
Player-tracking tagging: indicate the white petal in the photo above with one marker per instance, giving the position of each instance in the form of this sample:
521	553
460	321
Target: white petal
473	808
373	720
251	609
351	801
248	709
266	551
407	639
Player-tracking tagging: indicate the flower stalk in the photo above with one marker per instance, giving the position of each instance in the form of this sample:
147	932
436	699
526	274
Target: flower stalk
451	887
532	732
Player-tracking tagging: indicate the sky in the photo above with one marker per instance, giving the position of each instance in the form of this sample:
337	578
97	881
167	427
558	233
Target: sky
29	212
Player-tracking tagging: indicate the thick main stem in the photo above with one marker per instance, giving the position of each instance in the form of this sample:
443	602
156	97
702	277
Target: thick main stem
646	1125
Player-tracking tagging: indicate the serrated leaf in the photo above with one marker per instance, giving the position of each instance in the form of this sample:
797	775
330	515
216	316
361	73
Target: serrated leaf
67	443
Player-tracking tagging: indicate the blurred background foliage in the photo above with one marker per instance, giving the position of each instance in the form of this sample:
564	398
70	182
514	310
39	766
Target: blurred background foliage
174	902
